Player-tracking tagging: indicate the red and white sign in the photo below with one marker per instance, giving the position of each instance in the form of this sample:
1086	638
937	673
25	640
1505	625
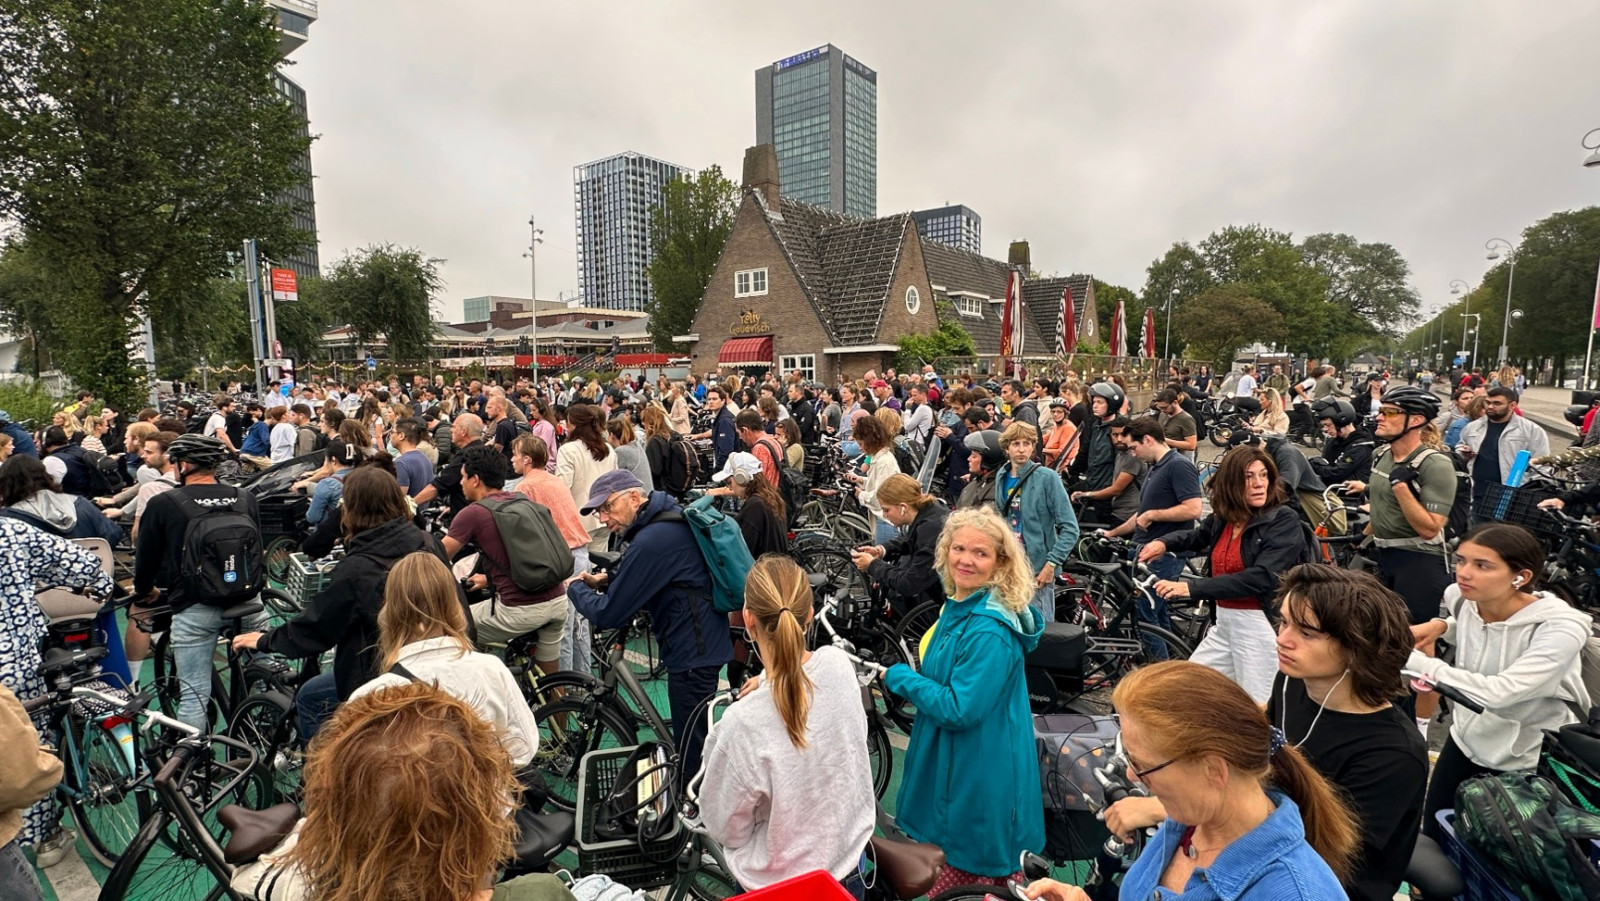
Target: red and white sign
283	285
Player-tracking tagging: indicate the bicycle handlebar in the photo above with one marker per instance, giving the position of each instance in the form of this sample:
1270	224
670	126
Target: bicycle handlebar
1454	694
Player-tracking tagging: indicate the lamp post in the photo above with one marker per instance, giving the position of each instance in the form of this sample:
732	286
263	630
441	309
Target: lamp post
1457	286
1494	245
534	233
1591	143
1476	319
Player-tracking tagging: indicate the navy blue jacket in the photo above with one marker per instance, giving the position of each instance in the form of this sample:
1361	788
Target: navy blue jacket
21	441
663	572
724	437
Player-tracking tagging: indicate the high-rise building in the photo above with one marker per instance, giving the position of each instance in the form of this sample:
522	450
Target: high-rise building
294	29
956	226
613	198
820	110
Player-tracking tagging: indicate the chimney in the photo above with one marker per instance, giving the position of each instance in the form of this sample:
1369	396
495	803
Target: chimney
1019	257
761	173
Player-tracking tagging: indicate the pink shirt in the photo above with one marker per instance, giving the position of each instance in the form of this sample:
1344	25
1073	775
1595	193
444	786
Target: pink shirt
543	488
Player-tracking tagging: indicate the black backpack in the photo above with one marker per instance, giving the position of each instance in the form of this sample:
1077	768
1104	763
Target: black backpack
104	474
793	486
682	467
1460	518
222	559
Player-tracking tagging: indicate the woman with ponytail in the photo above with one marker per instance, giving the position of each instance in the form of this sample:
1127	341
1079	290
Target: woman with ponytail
793	748
1248	817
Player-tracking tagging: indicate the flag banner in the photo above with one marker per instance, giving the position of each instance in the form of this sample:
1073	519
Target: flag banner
1119	332
1067	324
1147	338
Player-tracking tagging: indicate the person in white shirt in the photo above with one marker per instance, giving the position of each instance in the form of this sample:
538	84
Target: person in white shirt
217	423
422	637
283	436
154	455
795	745
1246	386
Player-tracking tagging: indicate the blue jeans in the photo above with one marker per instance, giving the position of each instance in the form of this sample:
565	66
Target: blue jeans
195	630
883	531
1167	567
17	879
1044	601
315	702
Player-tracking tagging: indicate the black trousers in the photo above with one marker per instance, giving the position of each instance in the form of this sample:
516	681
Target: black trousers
1420	578
686	691
1454	767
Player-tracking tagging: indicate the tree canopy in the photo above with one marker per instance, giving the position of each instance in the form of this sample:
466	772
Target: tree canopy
386	291
140	143
1225	318
687	233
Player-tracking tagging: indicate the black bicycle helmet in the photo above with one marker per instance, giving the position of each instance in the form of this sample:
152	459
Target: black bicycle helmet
1414	401
1336	409
1111	392
204	451
987	444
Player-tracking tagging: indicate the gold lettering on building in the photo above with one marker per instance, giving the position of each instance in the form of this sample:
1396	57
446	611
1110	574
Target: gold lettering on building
750	323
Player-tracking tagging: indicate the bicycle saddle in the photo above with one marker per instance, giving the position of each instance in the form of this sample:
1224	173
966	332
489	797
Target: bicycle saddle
540	837
61	660
1104	569
252	833
911	867
242	610
1432	872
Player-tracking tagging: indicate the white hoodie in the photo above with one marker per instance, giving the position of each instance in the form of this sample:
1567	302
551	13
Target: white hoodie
1526	671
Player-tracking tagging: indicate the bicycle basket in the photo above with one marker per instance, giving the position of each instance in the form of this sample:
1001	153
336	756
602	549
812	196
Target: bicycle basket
630	861
306	578
1517	506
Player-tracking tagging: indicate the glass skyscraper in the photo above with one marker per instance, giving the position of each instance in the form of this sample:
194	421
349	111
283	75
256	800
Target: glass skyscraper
820	110
294	27
613	198
957	226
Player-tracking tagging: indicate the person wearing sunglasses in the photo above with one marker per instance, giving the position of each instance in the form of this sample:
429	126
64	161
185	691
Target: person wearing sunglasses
1247	816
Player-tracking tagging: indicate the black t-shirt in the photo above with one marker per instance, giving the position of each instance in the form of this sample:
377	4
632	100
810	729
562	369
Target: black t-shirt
1170	482
1486	465
1379	762
505	432
158	556
763	532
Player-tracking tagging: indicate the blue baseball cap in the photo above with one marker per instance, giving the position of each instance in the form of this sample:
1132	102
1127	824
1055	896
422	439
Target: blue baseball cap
612	482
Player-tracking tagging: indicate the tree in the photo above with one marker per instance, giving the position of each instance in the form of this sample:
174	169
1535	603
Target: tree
1224	319
1105	302
1369	291
27	295
948	340
213	323
140	143
687	233
385	291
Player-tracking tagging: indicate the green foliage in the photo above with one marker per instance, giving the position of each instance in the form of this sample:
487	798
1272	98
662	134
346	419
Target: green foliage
140	143
27	402
1369	292
212	323
1105	300
1225	318
687	233
948	340
384	291
27	295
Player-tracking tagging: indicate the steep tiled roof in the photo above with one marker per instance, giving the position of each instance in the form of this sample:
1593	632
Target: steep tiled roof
845	264
1042	298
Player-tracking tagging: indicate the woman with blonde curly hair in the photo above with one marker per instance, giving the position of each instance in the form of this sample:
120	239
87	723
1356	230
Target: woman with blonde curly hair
971	781
406	795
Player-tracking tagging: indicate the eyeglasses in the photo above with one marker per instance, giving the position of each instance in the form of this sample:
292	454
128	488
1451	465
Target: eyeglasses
1141	774
1388	413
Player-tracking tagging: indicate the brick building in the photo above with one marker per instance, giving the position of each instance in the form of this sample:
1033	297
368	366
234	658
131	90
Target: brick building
798	287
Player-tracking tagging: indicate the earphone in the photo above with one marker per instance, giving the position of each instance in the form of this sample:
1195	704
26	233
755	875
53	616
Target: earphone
741	478
1517	582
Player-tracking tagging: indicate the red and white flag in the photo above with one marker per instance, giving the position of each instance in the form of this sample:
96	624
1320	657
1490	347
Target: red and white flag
1147	338
1011	320
1119	333
1066	326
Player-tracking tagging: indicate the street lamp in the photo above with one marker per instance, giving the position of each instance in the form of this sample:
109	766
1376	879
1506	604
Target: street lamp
1493	245
533	292
1457	286
1592	143
1476	319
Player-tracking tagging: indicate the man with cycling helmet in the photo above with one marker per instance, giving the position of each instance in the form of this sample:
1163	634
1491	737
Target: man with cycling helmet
1347	452
985	456
1096	463
1412	489
158	565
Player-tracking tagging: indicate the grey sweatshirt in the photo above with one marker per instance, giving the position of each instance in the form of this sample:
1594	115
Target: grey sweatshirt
1526	671
780	811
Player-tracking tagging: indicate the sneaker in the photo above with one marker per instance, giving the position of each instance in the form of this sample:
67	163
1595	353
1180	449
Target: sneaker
55	849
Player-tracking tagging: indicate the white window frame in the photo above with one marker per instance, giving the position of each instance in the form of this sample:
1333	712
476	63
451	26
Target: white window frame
805	364
913	300
750	282
968	306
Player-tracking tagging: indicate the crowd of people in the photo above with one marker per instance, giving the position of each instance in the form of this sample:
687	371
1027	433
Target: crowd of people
1286	758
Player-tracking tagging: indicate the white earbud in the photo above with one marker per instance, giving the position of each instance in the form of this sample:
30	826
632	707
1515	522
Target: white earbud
1517	582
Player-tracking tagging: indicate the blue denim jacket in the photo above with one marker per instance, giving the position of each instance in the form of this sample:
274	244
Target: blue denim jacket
1271	862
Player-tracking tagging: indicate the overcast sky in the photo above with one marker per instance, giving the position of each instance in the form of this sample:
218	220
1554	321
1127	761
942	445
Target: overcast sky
1100	132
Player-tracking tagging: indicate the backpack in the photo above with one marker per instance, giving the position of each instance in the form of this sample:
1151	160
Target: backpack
722	546
104	474
903	457
1460	518
1535	840
682	467
539	556
793	486
222	559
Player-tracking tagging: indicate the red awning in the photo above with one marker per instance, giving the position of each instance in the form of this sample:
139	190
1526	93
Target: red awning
743	351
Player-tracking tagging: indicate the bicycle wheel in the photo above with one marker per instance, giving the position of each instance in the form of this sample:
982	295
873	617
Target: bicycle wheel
881	755
101	790
915	625
279	607
161	862
568	729
833	562
267	723
277	556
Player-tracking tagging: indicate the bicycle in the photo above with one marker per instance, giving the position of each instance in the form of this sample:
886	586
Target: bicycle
240	682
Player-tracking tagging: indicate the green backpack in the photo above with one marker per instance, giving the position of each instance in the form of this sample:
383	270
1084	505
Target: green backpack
1537	842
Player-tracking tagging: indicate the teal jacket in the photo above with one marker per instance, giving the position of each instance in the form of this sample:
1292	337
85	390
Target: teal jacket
1044	514
971	782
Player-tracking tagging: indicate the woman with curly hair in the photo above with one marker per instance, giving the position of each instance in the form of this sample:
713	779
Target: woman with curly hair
971	781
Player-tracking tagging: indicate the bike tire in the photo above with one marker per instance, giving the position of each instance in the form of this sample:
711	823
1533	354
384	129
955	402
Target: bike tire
277	555
880	753
706	883
568	729
268	724
107	804
161	863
